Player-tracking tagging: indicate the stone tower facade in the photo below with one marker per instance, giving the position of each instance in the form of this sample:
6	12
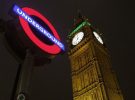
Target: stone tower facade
91	69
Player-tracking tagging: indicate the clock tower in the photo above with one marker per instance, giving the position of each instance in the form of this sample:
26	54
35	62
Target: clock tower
91	69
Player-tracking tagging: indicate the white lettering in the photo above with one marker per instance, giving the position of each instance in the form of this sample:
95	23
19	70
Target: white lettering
29	19
41	29
48	35
19	11
37	26
53	39
24	15
60	44
34	23
45	32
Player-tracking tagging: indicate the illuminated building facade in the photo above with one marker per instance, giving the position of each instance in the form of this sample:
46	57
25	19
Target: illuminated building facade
91	69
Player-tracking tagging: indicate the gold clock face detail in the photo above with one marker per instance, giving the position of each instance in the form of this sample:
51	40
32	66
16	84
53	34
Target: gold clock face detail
98	37
77	38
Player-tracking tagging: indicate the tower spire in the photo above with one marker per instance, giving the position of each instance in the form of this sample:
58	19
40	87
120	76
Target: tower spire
78	18
79	14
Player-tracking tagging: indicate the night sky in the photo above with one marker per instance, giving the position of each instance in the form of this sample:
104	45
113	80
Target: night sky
114	18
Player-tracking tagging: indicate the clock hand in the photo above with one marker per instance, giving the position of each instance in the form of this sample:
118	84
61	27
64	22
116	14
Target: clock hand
77	38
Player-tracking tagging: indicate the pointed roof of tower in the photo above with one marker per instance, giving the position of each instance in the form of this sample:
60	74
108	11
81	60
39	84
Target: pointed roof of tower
79	22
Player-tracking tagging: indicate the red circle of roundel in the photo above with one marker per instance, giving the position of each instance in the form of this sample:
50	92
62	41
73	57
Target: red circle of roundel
52	49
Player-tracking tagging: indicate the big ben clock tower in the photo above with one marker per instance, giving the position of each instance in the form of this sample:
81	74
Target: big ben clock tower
91	70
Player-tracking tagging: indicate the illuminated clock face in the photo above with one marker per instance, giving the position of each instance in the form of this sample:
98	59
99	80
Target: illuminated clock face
98	37
77	38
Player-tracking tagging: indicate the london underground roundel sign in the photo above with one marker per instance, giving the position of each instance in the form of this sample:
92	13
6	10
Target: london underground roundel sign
26	19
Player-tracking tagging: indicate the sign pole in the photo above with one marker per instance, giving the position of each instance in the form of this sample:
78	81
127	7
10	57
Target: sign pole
22	82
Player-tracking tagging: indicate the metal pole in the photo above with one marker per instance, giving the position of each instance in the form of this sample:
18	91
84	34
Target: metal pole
15	83
22	82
